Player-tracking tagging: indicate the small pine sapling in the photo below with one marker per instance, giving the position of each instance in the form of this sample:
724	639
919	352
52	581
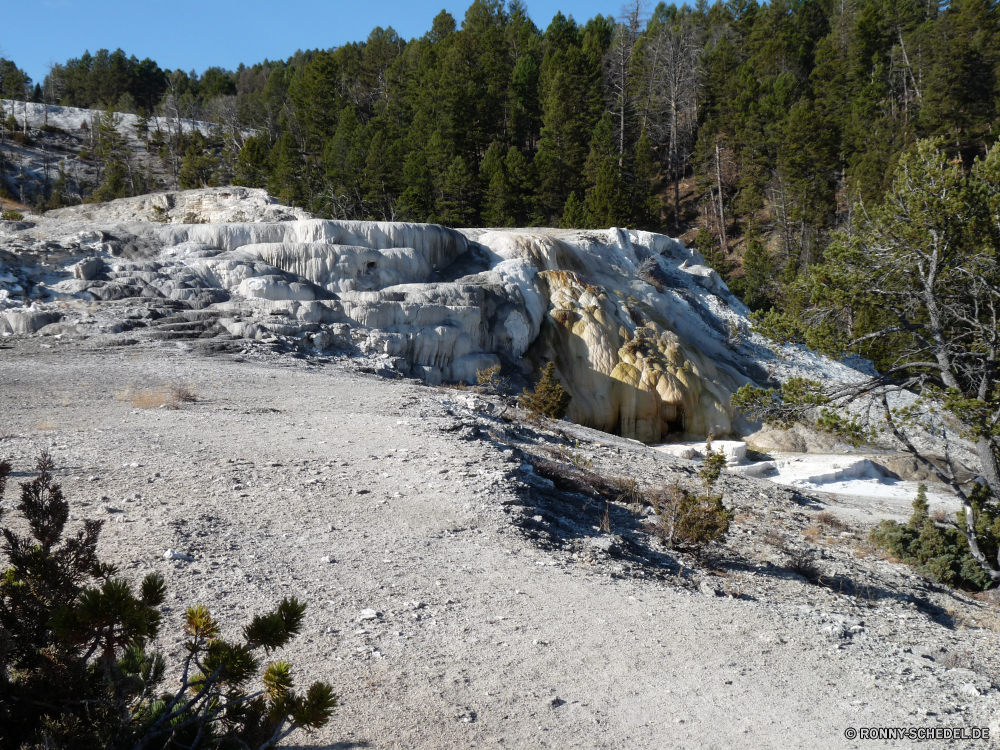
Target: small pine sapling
689	521
938	550
549	399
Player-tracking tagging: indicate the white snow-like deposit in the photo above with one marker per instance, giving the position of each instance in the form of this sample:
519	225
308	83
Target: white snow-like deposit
857	478
834	475
72	118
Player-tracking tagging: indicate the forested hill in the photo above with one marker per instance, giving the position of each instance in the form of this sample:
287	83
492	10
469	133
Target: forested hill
759	126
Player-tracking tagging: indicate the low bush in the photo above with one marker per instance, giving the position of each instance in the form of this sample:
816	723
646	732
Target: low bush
164	397
830	521
549	399
687	520
76	668
802	563
12	216
938	552
490	382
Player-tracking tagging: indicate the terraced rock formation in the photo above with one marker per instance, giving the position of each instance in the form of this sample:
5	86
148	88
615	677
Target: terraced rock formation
644	335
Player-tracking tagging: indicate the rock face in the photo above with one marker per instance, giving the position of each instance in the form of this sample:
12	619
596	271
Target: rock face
640	329
232	204
29	321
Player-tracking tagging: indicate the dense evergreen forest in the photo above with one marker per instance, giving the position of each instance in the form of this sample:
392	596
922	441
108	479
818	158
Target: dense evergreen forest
755	129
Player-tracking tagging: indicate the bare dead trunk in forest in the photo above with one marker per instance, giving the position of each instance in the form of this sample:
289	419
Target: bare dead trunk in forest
722	210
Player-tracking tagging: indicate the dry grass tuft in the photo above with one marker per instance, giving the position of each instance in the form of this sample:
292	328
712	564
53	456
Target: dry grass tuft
163	397
830	521
802	563
813	533
774	538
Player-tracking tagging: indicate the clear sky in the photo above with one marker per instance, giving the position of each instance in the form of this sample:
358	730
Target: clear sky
197	34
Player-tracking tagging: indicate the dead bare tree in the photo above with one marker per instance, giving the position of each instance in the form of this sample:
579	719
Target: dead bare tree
620	70
673	75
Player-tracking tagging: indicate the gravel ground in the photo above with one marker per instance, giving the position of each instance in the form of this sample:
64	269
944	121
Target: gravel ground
506	616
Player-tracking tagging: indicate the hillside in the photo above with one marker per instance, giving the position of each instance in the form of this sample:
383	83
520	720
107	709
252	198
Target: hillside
751	128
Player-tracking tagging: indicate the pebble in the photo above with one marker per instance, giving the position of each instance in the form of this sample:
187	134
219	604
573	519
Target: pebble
327	559
708	589
368	614
172	554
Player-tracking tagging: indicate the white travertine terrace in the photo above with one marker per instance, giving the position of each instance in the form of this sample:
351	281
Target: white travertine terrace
638	326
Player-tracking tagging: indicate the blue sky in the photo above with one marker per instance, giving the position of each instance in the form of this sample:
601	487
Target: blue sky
190	34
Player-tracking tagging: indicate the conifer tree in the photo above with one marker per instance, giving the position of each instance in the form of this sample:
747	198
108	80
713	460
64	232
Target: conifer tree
574	214
287	171
76	664
549	399
456	206
607	201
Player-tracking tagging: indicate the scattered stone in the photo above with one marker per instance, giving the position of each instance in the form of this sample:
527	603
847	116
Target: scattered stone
368	614
172	554
708	589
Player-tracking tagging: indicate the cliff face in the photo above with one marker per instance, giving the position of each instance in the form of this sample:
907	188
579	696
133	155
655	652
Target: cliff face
643	334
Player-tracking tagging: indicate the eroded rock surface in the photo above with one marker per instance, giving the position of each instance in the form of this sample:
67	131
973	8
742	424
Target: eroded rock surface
640	329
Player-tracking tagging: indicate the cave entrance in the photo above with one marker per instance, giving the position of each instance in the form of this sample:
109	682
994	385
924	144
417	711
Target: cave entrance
675	426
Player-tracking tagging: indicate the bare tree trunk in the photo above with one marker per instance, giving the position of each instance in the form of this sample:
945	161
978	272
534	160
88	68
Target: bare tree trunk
906	62
722	209
677	197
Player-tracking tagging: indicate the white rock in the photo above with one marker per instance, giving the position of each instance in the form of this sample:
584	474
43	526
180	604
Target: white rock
367	614
172	554
87	268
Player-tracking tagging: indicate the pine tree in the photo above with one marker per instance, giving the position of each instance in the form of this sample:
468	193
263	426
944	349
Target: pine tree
76	665
286	179
574	214
549	399
569	90
607	202
756	284
118	178
417	200
497	206
456	206
646	204
252	164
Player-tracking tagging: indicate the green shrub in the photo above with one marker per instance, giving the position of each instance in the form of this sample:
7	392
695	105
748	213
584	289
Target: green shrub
11	216
76	670
686	520
490	382
941	553
549	399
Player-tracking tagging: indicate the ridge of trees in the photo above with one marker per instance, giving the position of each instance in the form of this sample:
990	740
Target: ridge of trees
756	125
